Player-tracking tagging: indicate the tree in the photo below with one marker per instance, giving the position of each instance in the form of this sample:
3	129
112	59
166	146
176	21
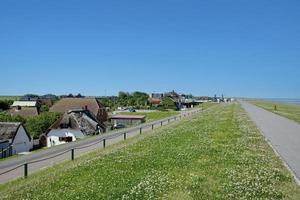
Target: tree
168	103
44	108
39	124
79	96
123	95
5	104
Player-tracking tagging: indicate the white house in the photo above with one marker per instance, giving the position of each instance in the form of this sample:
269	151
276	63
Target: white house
14	139
61	136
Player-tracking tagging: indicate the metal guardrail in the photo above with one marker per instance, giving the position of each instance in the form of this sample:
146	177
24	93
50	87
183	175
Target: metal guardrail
103	140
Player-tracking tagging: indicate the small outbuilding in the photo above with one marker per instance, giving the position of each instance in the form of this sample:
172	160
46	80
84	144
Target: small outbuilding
128	119
61	136
14	139
24	109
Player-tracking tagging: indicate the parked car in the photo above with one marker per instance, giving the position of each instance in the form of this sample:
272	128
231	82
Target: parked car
118	126
131	110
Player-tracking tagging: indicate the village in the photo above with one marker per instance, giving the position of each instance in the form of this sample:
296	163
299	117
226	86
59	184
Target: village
33	122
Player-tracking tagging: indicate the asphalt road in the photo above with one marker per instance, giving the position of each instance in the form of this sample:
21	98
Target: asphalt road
282	133
80	146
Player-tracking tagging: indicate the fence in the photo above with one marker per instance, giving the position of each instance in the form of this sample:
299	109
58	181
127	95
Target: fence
102	140
6	152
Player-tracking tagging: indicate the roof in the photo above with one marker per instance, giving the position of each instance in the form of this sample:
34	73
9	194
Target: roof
137	117
8	130
24	103
155	101
24	112
66	104
78	120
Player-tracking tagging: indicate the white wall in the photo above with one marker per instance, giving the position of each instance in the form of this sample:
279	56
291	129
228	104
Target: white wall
21	142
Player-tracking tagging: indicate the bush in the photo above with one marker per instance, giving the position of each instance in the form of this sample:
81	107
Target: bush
5	104
44	108
40	124
168	103
4	117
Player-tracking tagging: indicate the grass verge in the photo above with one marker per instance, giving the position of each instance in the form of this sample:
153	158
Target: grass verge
216	155
290	111
153	116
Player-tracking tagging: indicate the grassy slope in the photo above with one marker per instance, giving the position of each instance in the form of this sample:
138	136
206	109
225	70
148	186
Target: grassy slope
217	155
289	111
152	116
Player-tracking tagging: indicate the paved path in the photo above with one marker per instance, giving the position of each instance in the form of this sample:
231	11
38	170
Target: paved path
282	133
81	147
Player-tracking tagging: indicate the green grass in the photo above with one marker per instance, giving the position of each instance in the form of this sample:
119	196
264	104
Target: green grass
14	98
157	115
290	111
215	155
153	116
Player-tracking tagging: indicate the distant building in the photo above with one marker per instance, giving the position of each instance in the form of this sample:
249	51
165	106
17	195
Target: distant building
128	119
29	97
157	95
24	109
91	104
175	96
156	98
14	138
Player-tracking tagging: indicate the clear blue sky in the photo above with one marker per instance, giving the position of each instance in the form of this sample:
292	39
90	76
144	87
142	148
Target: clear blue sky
239	48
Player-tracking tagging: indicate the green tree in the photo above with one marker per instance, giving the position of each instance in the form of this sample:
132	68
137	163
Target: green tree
4	117
5	104
168	103
44	108
40	124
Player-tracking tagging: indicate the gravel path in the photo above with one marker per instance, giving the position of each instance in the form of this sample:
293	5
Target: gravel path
282	133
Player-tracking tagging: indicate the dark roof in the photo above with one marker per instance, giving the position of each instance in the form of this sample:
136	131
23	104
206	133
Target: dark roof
8	130
138	117
66	104
24	112
78	119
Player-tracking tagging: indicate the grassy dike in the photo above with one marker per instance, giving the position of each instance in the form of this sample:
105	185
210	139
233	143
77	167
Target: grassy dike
216	155
290	111
153	116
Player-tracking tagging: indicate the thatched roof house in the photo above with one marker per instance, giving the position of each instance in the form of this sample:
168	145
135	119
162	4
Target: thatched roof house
91	104
24	109
80	119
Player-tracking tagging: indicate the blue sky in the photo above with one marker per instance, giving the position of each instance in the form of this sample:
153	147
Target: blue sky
239	48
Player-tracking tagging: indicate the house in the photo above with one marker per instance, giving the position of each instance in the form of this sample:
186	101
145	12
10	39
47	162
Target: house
156	98
60	136
73	125
173	95
91	104
29	97
14	138
128	119
24	109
